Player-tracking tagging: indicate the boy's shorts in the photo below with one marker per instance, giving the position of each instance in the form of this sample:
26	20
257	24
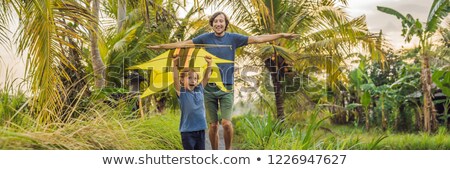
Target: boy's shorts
215	99
193	140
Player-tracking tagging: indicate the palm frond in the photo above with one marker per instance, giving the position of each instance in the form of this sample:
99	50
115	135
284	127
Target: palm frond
6	9
123	38
332	15
439	10
4	31
40	34
268	50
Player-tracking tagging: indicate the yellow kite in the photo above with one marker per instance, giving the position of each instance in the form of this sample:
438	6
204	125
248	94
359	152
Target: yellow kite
161	75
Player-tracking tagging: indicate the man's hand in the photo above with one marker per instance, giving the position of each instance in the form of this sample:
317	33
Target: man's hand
290	35
208	60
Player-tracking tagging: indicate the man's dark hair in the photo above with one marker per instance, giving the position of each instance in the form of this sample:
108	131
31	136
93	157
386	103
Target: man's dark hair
211	20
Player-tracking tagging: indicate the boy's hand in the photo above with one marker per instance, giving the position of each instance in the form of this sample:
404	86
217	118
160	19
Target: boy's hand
175	60
290	35
208	60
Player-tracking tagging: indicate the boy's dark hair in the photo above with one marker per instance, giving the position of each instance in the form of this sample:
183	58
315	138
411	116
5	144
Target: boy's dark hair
211	20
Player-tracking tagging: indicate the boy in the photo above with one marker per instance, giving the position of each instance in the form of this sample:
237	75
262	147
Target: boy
190	97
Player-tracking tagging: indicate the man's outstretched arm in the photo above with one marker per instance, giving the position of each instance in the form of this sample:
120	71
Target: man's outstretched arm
270	37
171	45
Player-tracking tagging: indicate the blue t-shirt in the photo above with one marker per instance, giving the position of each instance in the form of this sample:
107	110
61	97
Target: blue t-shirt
193	116
235	40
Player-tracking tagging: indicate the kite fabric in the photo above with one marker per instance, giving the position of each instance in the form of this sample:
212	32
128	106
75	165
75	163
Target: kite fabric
161	74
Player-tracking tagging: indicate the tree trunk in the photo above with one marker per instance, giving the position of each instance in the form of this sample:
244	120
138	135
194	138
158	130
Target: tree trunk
271	65
419	119
367	120
161	104
97	64
75	84
429	116
121	13
383	115
339	114
279	100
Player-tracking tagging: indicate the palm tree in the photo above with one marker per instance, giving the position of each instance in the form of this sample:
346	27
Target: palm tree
413	27
97	62
41	30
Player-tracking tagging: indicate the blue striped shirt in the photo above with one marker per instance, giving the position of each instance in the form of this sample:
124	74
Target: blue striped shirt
193	117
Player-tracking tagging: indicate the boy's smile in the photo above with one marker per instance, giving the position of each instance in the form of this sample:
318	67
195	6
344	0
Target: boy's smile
190	81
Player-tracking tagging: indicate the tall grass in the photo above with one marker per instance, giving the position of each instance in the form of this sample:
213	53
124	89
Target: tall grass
101	127
260	133
417	141
386	140
256	132
90	123
12	101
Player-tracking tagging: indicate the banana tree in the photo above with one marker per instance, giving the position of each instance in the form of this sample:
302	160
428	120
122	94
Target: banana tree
442	80
412	27
364	89
443	50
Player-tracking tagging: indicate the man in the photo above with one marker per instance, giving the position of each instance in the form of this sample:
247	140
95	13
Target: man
216	99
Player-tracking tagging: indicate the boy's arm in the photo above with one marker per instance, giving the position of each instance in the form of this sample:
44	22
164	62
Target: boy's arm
270	37
176	75
171	45
208	71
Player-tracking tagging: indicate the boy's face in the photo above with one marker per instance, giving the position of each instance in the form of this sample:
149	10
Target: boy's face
219	24
190	80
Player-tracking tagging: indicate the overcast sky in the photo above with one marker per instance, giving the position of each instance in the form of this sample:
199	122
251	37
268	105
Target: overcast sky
376	20
390	25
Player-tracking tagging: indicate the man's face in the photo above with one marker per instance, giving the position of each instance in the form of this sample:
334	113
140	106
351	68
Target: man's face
219	24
